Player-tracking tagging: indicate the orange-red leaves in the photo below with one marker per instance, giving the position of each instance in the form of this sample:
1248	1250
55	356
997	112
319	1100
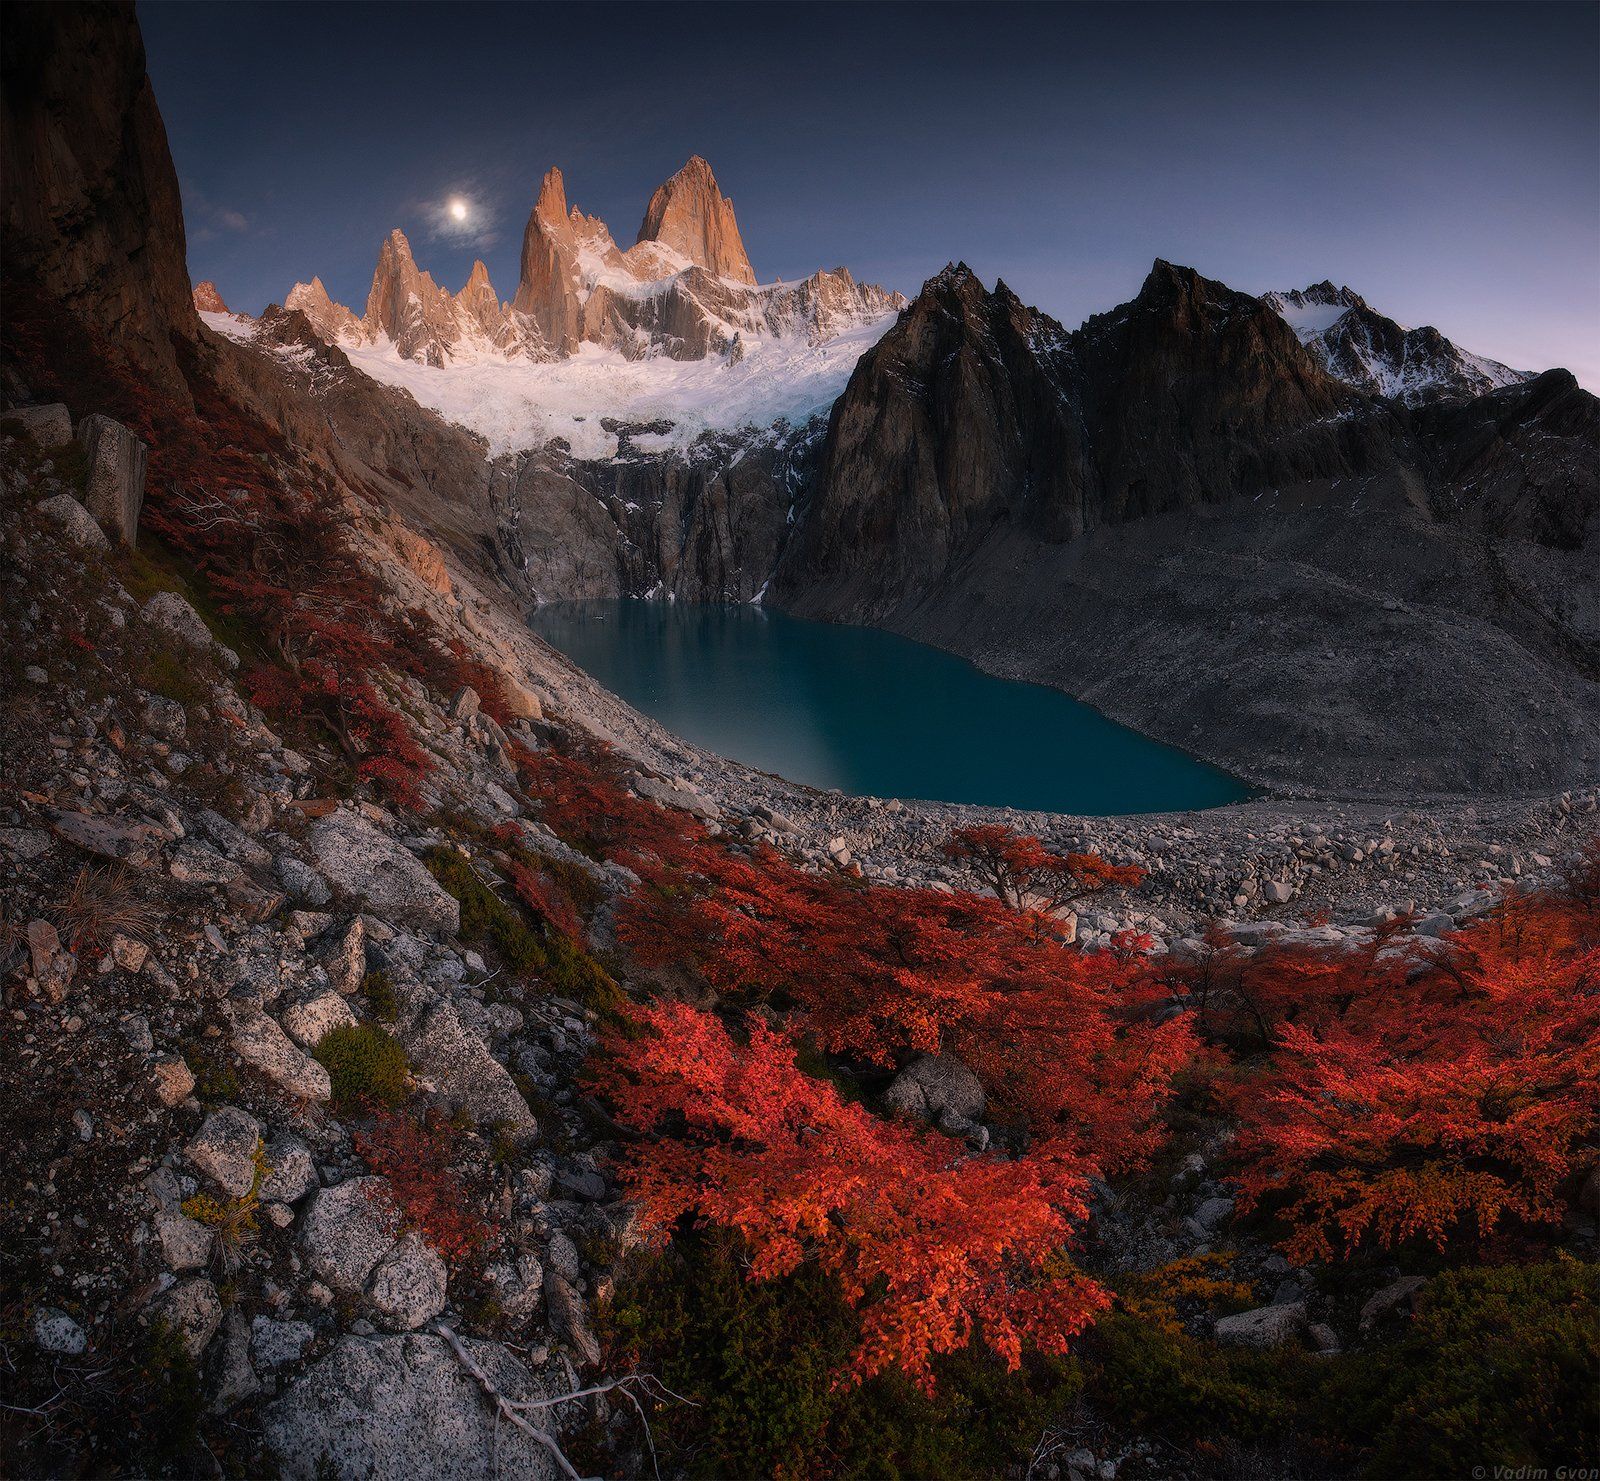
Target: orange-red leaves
932	1244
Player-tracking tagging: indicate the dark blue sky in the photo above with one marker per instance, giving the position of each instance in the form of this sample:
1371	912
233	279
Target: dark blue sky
1444	160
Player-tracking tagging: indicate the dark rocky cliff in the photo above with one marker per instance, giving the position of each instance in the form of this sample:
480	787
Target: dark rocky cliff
91	212
977	411
1176	513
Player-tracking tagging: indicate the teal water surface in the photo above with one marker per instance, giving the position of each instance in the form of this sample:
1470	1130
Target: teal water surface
871	713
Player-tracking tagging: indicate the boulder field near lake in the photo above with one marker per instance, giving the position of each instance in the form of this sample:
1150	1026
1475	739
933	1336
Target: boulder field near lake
420	1062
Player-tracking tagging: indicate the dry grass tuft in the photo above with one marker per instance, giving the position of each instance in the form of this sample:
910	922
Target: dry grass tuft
106	901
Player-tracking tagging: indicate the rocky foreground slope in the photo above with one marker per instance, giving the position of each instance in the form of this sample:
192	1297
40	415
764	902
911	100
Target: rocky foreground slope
229	959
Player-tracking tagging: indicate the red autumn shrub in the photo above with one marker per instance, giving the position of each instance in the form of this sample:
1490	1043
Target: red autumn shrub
1434	1098
486	682
270	539
1063	1040
1243	996
1021	872
431	1198
584	802
547	899
930	1244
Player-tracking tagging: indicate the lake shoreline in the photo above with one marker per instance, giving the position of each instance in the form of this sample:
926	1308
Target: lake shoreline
873	713
1428	853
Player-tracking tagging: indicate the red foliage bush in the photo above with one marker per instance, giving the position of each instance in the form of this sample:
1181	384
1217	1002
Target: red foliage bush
270	540
932	1245
1244	997
583	801
1064	1040
1429	1096
547	899
1021	872
415	1158
486	682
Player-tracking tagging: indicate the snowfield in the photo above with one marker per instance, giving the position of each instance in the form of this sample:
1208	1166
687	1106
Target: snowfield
517	404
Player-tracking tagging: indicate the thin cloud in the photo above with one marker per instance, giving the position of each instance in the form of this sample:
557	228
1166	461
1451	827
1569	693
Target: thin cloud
461	218
209	220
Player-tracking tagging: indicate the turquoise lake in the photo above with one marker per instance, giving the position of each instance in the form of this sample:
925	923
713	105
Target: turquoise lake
870	712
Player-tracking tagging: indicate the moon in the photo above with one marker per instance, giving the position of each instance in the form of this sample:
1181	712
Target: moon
458	210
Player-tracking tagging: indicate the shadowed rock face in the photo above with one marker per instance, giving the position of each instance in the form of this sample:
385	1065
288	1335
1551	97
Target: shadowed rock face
90	212
976	410
1179	514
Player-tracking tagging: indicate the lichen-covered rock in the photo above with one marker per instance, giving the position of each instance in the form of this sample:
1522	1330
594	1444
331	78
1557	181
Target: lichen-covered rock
224	1149
937	1088
134	844
168	613
49	425
274	1343
570	1320
172	1078
394	1408
293	1174
518	1285
348	1229
53	965
185	1243
114	494
194	1311
56	1332
75	520
310	1020
357	858
465	1075
1399	1296
408	1285
344	958
236	1379
1266	1326
259	1041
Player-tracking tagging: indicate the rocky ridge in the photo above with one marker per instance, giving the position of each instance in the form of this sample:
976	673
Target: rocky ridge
1363	348
1178	515
684	290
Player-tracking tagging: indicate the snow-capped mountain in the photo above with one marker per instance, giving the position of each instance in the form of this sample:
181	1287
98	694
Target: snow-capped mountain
674	329
1363	348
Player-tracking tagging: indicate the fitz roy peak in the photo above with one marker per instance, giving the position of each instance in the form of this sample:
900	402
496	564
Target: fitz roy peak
684	290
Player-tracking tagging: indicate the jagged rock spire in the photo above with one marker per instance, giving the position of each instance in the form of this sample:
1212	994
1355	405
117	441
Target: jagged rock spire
690	215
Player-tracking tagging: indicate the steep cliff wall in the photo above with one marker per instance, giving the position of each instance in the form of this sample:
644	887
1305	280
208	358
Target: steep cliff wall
88	195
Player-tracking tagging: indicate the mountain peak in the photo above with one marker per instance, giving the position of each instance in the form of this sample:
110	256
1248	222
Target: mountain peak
332	321
1356	344
207	300
397	245
689	214
951	275
551	206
